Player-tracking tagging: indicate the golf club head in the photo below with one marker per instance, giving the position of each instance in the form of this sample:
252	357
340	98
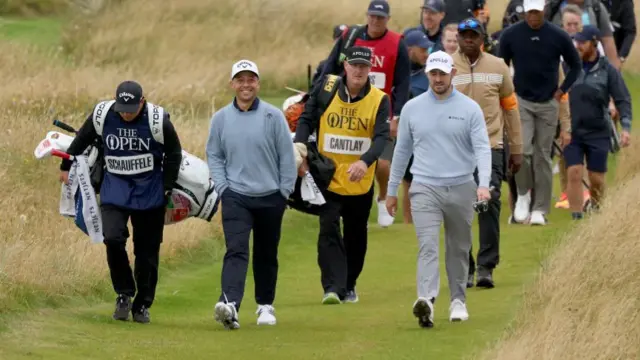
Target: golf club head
53	141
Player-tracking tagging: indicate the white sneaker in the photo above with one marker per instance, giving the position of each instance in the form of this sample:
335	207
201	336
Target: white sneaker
537	218
384	218
458	311
423	310
266	315
521	212
227	315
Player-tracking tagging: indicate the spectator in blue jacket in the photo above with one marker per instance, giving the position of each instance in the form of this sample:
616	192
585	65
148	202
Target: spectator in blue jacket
590	122
419	48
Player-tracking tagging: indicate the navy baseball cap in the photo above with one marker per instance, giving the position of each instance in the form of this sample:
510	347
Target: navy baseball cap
379	8
434	5
359	55
128	96
417	38
471	24
588	33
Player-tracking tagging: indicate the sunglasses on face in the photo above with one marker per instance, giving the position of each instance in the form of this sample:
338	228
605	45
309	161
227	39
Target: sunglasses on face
469	24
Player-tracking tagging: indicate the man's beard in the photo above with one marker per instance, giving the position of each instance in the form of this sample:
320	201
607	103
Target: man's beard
443	91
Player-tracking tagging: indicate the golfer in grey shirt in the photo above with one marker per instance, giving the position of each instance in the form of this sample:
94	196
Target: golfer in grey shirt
446	132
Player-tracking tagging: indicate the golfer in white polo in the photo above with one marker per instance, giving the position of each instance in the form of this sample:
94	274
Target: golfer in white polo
446	132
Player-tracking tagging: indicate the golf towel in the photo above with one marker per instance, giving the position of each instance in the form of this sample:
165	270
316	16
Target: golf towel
310	192
78	200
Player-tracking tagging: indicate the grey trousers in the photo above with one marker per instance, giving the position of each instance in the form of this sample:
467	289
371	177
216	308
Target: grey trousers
539	123
430	207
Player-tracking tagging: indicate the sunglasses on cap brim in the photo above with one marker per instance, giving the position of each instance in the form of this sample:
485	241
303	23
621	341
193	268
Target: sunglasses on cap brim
470	24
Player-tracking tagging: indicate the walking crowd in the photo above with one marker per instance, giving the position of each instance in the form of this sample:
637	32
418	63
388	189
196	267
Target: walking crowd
444	110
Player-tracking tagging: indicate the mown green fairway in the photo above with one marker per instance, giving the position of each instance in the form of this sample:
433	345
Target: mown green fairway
380	326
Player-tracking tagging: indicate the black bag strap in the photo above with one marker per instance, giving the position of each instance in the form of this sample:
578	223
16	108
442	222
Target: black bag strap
328	91
353	34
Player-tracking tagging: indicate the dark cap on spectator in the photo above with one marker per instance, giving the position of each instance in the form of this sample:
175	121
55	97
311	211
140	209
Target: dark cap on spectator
358	55
588	33
417	38
337	30
379	8
471	24
434	5
128	96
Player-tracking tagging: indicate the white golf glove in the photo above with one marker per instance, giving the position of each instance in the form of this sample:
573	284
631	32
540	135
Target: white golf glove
300	152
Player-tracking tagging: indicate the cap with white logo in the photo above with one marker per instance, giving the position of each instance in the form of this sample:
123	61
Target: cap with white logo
358	55
440	60
530	5
244	65
379	8
128	97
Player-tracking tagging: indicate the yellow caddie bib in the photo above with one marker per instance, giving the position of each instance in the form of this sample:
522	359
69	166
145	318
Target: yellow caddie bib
344	134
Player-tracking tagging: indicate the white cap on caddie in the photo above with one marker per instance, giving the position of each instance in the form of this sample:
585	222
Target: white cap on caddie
530	5
244	65
440	60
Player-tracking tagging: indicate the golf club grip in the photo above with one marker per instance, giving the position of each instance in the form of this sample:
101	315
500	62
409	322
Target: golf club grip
64	126
61	154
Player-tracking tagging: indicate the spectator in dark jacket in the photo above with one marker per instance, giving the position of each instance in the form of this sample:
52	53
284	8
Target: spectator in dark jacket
337	32
431	22
591	127
623	19
458	10
535	46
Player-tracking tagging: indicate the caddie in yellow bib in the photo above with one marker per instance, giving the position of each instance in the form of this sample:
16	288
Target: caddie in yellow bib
349	116
345	133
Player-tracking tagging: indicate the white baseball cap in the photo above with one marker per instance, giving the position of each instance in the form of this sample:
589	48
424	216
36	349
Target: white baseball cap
533	5
440	60
244	65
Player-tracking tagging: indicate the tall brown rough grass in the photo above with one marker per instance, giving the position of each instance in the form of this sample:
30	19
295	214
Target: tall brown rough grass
43	255
584	305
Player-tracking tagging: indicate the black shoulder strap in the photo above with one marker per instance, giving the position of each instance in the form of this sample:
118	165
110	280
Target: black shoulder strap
596	12
352	35
328	91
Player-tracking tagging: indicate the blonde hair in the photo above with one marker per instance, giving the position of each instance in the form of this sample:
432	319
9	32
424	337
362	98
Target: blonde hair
572	9
451	27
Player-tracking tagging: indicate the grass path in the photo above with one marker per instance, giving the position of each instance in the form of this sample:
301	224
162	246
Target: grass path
381	326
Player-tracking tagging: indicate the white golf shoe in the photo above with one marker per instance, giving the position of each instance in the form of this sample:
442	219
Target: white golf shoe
521	212
458	311
227	315
423	310
537	218
266	315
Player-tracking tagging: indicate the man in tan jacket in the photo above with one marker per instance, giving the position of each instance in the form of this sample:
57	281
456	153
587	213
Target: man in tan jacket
487	80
